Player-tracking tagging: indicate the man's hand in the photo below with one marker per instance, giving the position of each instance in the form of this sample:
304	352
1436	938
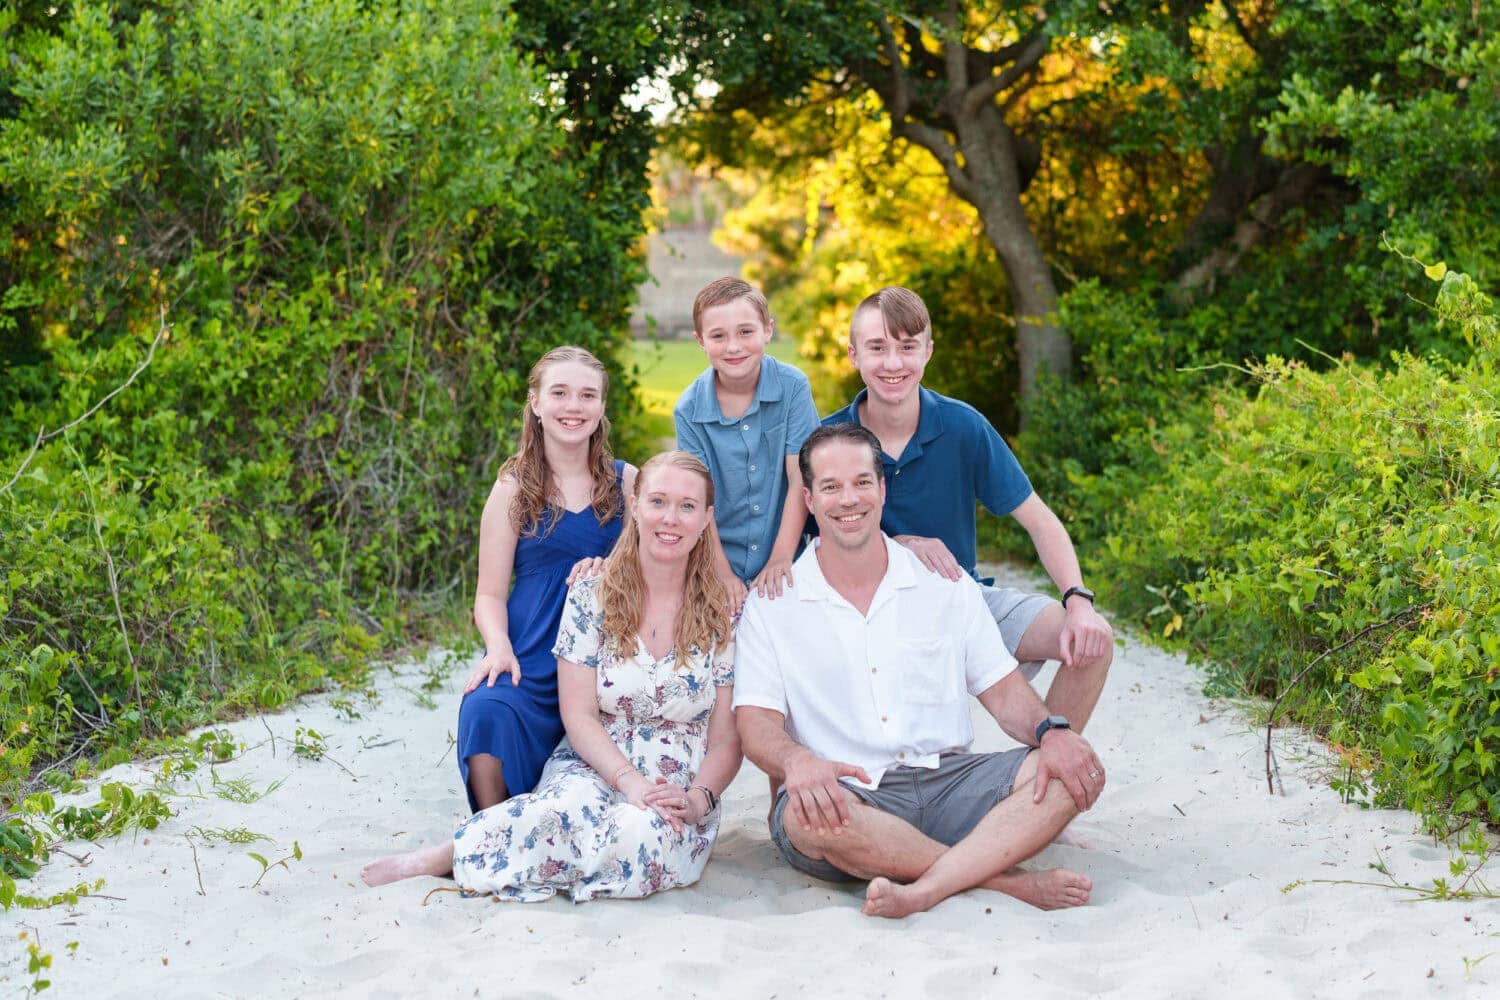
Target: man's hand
1066	756
1086	637
776	574
933	554
814	794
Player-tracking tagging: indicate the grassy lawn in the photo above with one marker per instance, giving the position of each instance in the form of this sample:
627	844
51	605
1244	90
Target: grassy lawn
664	368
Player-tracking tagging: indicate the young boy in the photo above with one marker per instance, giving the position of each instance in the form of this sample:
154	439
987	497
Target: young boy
745	418
940	457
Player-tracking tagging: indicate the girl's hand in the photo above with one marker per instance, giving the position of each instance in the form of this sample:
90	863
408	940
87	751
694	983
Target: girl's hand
586	569
495	663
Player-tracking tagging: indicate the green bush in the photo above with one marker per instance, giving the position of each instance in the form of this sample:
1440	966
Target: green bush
340	233
1347	521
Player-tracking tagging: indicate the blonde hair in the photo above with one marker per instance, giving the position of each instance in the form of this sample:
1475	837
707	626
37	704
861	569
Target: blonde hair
703	619
721	292
538	504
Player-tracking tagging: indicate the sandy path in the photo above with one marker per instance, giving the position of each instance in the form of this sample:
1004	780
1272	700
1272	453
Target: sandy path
1189	860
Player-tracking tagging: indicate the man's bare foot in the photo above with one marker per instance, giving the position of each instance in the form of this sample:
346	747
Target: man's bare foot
1053	889
436	860
885	898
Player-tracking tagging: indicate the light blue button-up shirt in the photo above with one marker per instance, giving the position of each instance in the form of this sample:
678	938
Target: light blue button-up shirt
747	456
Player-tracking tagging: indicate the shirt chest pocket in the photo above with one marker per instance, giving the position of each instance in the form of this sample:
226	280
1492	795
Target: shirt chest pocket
928	675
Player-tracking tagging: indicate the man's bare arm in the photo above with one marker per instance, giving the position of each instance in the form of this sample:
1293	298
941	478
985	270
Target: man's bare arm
812	783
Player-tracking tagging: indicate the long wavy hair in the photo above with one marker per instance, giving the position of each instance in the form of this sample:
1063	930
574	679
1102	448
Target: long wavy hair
703	619
538	502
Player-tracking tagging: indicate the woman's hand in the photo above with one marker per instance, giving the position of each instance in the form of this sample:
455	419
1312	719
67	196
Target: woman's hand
667	800
495	663
586	569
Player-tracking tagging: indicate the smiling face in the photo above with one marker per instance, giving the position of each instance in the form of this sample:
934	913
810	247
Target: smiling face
734	337
847	493
568	401
890	365
671	512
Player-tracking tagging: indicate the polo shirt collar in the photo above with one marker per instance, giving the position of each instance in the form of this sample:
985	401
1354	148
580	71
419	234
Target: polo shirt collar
929	419
705	408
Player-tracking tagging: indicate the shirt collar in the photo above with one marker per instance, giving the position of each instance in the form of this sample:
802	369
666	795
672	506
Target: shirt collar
929	415
705	408
812	585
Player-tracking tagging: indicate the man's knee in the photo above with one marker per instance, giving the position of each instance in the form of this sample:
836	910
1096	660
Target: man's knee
817	842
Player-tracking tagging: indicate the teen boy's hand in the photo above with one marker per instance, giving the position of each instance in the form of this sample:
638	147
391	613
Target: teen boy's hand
933	554
776	574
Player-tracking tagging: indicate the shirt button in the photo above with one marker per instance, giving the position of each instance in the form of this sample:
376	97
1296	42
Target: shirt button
873	670
752	468
756	507
744	427
898	472
901	756
885	718
754	548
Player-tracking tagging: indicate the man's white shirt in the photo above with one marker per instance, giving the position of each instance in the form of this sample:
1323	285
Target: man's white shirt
886	688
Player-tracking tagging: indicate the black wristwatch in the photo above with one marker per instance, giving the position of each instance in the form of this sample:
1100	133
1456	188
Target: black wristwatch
1079	591
1050	722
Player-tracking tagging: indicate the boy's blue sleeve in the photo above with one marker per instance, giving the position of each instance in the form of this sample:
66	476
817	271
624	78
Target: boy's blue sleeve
802	415
999	482
689	438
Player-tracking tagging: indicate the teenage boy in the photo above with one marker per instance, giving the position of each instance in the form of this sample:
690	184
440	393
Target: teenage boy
744	418
940	456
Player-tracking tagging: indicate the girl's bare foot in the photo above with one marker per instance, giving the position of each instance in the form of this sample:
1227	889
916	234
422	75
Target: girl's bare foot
436	860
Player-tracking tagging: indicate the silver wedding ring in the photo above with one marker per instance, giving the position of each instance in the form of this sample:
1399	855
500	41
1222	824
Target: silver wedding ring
1094	774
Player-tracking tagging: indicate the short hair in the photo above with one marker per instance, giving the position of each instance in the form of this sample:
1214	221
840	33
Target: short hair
851	433
904	312
722	291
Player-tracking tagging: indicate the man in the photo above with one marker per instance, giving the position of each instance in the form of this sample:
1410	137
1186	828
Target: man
941	456
851	693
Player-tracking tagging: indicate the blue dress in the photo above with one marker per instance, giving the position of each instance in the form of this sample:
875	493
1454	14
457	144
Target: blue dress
521	724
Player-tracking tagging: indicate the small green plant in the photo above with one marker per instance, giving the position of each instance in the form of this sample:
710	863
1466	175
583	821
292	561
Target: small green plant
228	835
266	866
241	790
309	744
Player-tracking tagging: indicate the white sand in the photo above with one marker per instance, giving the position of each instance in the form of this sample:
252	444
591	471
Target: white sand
1189	860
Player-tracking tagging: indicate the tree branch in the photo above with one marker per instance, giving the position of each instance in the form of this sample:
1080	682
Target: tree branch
43	435
1025	62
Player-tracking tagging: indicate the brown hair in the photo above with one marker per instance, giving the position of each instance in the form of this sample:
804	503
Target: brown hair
537	498
703	619
722	291
904	312
850	433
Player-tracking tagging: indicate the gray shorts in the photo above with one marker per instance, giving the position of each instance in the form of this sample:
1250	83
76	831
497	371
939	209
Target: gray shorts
1014	611
945	802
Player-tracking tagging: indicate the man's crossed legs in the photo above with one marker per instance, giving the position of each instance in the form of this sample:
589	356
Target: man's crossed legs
926	834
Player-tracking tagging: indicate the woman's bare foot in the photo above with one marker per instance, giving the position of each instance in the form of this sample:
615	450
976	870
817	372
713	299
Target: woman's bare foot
885	898
1053	889
436	860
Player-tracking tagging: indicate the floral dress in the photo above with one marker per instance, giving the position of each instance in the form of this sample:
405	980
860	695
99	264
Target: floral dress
576	834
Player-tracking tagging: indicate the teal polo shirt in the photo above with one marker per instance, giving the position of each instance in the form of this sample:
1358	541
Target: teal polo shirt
954	459
747	456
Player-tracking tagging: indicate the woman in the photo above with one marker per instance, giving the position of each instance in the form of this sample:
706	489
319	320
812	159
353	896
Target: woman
628	804
558	500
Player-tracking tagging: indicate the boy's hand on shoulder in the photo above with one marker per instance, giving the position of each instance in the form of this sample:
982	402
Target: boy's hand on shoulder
735	587
933	554
776	575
